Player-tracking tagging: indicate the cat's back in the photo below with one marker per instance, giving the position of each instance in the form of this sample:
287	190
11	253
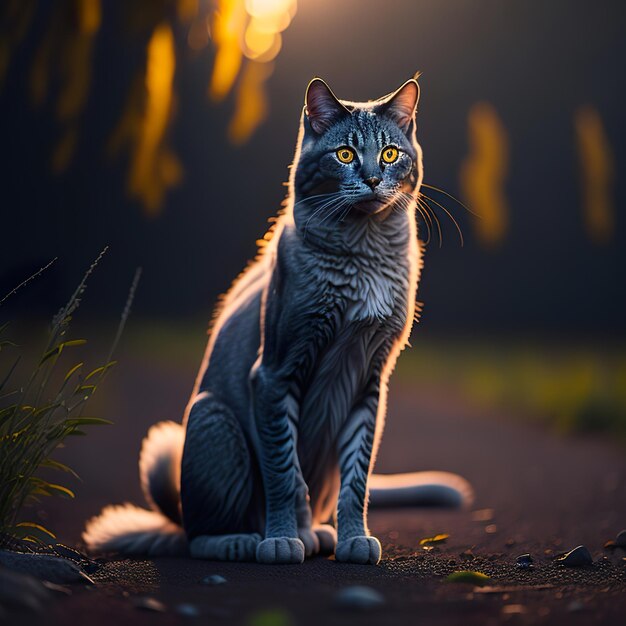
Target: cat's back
235	336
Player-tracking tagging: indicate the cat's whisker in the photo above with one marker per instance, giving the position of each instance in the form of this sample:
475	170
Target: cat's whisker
445	193
326	204
427	225
443	208
342	202
320	197
406	200
430	212
427	221
345	212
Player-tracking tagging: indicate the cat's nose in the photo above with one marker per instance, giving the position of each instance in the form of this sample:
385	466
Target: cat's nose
372	182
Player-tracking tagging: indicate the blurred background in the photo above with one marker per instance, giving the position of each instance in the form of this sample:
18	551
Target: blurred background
164	130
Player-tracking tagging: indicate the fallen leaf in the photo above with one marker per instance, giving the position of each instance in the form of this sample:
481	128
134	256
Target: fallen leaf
431	541
474	578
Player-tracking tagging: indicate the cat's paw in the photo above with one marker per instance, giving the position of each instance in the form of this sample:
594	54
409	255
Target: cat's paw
327	537
225	547
280	550
310	541
364	550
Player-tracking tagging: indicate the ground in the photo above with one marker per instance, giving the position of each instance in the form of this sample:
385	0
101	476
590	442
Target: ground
536	492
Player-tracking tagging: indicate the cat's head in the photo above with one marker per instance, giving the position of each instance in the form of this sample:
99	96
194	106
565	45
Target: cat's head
355	158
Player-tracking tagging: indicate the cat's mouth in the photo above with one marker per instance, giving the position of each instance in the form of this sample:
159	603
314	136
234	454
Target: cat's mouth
371	204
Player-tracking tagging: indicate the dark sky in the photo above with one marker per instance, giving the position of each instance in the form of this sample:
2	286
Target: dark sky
536	62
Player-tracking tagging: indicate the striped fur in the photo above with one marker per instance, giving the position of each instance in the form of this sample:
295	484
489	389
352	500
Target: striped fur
286	417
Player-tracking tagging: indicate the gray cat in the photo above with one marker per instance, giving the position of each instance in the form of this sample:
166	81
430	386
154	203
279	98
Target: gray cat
287	413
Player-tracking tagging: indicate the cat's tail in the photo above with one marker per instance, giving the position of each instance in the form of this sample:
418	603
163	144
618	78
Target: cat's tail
131	530
437	489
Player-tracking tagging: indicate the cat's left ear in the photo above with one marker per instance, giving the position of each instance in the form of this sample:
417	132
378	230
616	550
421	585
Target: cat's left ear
322	107
401	105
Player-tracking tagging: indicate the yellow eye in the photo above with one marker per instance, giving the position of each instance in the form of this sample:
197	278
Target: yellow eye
390	154
345	155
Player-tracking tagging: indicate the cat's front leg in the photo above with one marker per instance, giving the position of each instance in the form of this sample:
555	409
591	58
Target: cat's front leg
356	443
304	517
279	470
318	539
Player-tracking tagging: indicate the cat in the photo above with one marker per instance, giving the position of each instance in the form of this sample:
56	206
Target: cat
282	430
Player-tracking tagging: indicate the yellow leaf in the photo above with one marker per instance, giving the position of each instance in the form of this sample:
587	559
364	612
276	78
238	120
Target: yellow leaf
429	541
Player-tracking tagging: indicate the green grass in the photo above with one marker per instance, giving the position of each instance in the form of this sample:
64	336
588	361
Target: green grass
571	388
40	407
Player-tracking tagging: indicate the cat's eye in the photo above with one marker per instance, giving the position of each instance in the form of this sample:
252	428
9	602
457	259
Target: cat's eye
345	155
389	154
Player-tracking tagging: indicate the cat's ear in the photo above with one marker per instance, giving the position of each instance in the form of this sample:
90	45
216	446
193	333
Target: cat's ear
322	107
400	106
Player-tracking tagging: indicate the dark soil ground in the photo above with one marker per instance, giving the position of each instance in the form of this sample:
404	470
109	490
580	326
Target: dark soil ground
536	493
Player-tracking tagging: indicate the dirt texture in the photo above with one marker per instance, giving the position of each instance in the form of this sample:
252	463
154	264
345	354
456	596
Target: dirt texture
536	492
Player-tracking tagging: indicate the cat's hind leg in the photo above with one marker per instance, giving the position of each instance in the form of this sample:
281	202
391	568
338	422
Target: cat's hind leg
238	547
216	484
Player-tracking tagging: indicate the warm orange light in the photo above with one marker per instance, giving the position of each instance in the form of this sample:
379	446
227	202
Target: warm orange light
597	172
247	31
251	104
247	38
187	10
89	15
228	26
154	168
260	45
484	173
272	15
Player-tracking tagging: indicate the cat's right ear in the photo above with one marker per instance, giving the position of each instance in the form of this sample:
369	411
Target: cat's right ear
322	107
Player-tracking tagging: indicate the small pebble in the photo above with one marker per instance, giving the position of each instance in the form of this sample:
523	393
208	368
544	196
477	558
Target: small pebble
188	610
150	604
578	557
620	540
524	561
214	579
359	597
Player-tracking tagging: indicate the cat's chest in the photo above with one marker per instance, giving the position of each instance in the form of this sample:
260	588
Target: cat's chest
366	287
